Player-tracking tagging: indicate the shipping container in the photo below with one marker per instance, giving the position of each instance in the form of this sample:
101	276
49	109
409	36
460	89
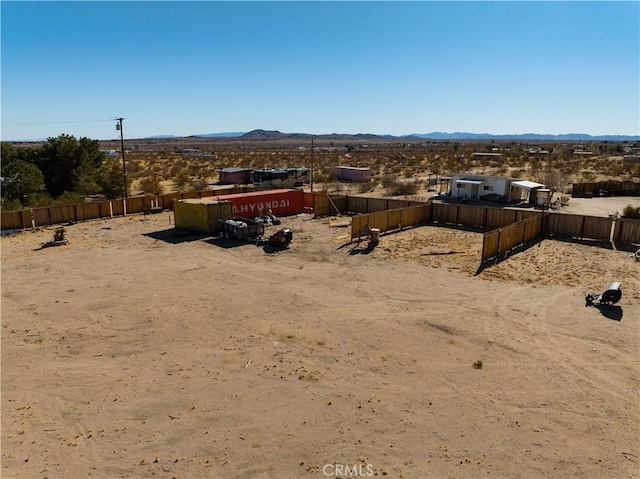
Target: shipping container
351	173
281	202
235	176
201	215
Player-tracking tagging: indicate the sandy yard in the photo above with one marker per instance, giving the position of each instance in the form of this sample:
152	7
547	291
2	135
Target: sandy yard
599	206
133	352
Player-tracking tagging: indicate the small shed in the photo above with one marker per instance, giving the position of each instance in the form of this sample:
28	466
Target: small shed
524	191
235	176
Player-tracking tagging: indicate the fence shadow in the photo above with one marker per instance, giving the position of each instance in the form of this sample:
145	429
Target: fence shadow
270	249
585	241
175	236
631	248
360	250
610	312
518	249
225	243
451	226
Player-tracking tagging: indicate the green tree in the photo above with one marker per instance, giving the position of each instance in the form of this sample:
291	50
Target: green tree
10	153
67	163
20	179
85	179
110	179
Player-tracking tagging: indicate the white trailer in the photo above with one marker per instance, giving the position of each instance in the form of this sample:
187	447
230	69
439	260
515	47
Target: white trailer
351	173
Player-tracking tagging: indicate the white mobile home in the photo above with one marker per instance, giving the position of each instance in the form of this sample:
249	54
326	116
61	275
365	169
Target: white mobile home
477	187
474	187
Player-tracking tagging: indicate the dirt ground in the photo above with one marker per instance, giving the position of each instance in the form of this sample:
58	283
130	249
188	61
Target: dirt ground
134	352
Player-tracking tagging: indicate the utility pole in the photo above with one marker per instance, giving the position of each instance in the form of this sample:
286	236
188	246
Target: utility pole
124	167
311	164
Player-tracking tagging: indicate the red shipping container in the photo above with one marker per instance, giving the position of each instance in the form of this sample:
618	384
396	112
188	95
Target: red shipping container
281	202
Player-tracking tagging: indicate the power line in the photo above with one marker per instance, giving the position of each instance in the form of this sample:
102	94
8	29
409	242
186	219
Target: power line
54	122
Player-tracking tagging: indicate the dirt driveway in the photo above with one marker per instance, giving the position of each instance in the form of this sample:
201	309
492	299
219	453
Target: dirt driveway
134	352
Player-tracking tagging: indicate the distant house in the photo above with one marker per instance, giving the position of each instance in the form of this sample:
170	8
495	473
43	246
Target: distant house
110	153
196	153
235	176
487	156
538	151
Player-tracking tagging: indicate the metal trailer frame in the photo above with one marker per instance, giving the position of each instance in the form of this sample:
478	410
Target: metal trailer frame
242	229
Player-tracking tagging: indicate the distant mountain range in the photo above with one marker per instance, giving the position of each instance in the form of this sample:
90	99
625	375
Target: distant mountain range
436	135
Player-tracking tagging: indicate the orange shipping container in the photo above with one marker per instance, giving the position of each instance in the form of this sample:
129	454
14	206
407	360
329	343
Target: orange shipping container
281	202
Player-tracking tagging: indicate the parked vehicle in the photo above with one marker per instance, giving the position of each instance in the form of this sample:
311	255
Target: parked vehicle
494	197
281	178
280	239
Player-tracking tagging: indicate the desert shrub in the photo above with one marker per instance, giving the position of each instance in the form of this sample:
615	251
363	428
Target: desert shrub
151	185
175	169
68	198
397	187
40	199
134	166
324	176
364	187
181	181
631	211
335	187
10	205
478	364
198	184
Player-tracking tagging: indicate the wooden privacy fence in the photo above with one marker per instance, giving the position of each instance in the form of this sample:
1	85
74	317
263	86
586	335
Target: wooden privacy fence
622	230
511	228
358	204
51	215
503	240
327	205
577	226
497	242
615	188
484	217
626	231
389	220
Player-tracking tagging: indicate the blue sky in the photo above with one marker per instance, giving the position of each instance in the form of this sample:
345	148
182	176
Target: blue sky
187	68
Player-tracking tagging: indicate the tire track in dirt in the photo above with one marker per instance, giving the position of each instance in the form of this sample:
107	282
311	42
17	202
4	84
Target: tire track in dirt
552	344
